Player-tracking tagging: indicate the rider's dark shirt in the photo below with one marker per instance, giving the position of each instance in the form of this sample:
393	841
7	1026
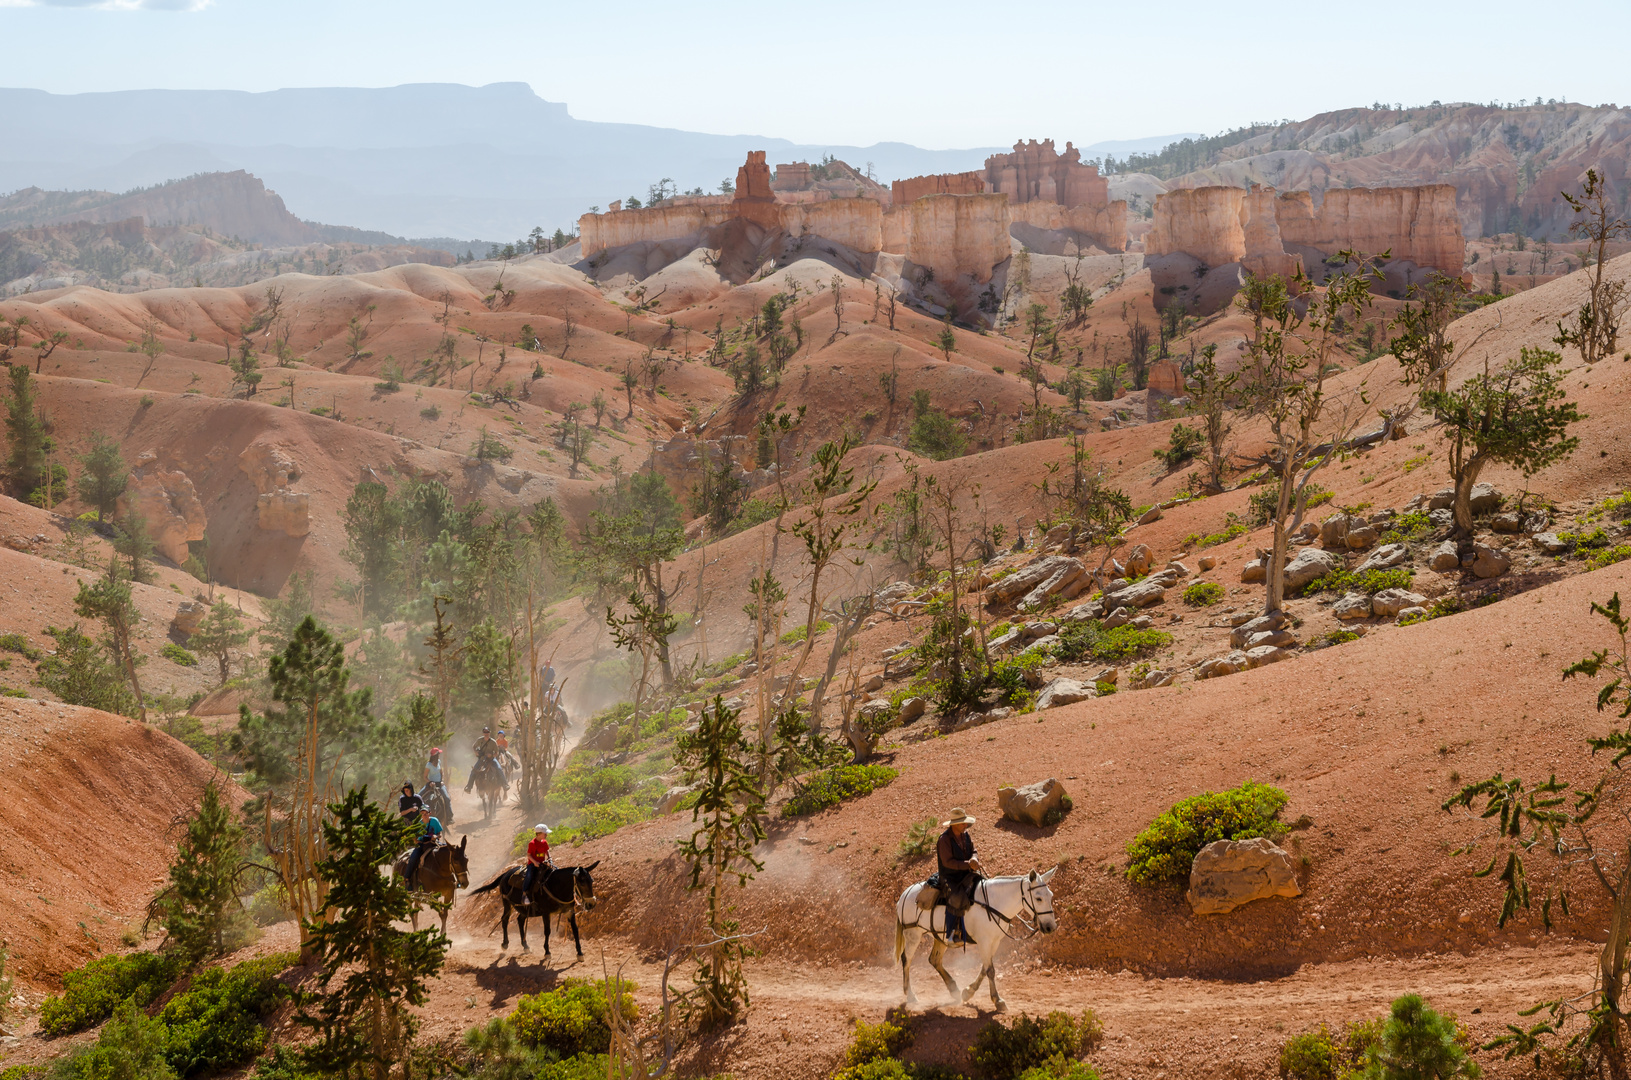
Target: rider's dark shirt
955	853
409	804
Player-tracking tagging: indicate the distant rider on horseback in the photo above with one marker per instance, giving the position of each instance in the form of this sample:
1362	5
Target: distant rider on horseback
429	836
433	774
960	871
486	749
504	752
408	804
538	861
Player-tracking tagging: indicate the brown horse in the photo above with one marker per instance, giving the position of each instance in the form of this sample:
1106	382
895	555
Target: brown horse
443	869
564	889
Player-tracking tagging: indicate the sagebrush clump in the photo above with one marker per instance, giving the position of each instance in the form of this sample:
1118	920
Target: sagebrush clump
1165	850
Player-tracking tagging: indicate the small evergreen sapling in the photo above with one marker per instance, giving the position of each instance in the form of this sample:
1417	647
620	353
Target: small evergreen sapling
373	971
200	908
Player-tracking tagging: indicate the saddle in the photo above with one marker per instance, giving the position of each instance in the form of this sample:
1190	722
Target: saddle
936	894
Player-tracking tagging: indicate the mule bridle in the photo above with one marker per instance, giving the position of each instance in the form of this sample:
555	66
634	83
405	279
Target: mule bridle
576	901
1026	888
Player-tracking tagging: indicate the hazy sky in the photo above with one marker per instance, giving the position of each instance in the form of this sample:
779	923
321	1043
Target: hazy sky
949	74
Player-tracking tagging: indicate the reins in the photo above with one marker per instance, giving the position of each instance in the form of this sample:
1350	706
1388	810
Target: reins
998	917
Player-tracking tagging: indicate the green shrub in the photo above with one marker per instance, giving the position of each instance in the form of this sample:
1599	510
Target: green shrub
217	1023
1203	594
130	1047
1004	1053
878	1042
1060	1068
172	651
1008	676
1266	500
1369	582
17	643
282	1064
796	635
1333	637
90	994
829	787
577	1067
1586	541
1234	527
12	691
1090	639
1609	556
1615	506
921	837
1165	850
1408	528
880	1069
1182	445
1310	1056
753	512
430	412
936	435
572	1019
611	782
1417	1041
1444	605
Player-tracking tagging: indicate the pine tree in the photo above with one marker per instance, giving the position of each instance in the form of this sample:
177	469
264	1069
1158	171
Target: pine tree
80	672
362	1020
1417	1044
132	540
109	600
219	635
200	905
729	814
26	432
300	754
104	475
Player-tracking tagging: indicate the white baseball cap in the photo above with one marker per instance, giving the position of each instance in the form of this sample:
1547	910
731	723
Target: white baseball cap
542	828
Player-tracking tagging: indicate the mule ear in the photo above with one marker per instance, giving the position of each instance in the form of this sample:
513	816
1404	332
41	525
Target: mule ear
463	840
592	865
1033	875
1049	875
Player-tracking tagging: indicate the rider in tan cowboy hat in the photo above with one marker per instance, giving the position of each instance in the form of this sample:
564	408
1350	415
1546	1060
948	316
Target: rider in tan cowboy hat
959	871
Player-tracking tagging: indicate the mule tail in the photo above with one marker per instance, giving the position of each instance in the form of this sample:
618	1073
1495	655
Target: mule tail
900	943
493	884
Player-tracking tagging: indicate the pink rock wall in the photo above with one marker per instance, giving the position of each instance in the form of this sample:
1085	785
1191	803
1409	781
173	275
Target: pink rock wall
1219	225
1107	225
951	234
1420	224
963	183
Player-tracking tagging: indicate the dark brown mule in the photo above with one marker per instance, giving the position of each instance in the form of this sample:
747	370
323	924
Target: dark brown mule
442	870
565	889
491	789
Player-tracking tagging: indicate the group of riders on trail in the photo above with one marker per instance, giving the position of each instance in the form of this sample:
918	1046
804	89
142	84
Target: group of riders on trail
939	907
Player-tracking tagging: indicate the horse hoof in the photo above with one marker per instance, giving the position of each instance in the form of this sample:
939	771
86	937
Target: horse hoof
1001	1006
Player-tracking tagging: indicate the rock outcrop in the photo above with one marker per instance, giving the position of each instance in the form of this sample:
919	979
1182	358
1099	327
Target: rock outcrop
279	507
1037	804
1042	188
955	234
1264	233
1418	224
1229	873
963	183
168	504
